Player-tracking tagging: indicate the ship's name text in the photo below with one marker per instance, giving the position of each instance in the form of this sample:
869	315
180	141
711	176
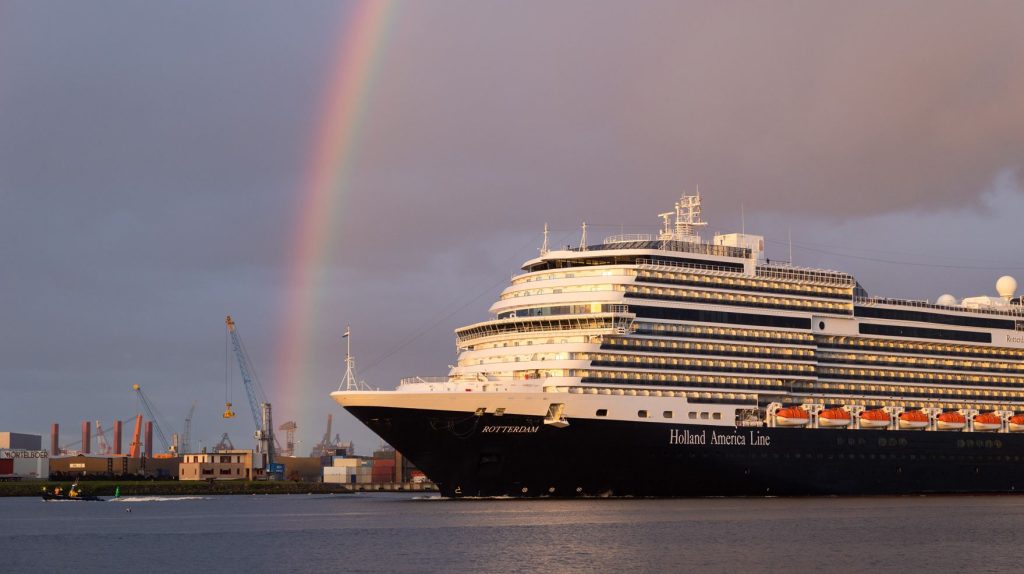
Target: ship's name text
1014	339
751	438
510	429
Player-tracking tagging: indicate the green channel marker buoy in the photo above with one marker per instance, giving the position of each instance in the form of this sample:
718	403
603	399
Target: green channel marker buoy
117	492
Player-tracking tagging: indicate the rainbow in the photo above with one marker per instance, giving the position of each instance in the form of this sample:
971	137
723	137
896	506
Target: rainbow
334	152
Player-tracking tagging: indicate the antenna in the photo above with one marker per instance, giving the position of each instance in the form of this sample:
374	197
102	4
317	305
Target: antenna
688	219
666	231
349	382
743	220
583	238
790	231
544	247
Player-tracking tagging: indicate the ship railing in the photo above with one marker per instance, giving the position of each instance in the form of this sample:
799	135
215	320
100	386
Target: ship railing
1014	310
807	274
672	245
618	321
416	380
627	237
654	265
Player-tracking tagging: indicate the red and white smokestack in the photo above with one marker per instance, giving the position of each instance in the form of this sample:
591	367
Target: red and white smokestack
86	437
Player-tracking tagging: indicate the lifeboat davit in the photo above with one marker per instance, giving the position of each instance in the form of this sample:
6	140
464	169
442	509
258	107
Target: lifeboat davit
951	421
911	420
874	419
834	418
1016	423
792	417
987	422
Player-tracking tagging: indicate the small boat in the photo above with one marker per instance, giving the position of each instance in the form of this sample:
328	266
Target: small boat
913	420
834	418
85	498
1016	423
987	422
951	421
792	417
874	419
73	494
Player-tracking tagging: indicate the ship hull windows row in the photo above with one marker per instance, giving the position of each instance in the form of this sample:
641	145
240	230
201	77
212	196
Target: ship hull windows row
760	302
634	362
720	349
924	333
752	285
934	318
709	316
941	364
917	377
724	333
918	348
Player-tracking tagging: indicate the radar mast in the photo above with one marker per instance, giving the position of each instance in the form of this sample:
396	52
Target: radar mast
687	223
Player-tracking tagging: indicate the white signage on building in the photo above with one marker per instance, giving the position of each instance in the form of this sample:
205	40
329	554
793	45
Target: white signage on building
20	453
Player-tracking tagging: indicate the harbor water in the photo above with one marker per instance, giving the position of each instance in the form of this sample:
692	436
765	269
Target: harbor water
414	533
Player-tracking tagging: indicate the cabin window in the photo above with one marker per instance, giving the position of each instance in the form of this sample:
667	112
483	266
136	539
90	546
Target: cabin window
692	415
602	412
716	416
642	414
667	414
704	416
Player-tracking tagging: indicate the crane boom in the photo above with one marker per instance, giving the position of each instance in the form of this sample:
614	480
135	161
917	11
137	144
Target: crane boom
101	439
186	444
152	416
135	449
266	442
253	389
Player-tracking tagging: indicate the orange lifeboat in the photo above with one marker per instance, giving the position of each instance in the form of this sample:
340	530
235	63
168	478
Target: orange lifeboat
987	422
1017	423
833	418
951	421
912	420
874	419
791	417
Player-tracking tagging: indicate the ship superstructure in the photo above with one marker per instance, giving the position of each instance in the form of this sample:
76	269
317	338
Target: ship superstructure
707	369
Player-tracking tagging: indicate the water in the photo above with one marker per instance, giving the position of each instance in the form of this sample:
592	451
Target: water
406	533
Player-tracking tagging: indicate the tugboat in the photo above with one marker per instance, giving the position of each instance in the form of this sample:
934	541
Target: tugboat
72	494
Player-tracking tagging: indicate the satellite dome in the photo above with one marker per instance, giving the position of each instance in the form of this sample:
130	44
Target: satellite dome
946	300
1006	286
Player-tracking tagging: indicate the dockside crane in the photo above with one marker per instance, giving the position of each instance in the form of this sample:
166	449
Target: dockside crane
186	437
150	412
323	448
135	449
101	439
261	412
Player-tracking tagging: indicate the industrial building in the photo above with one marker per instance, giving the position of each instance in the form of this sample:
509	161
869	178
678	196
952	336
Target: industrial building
120	466
220	465
22	457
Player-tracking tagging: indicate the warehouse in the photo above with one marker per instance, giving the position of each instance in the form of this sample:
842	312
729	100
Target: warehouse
22	457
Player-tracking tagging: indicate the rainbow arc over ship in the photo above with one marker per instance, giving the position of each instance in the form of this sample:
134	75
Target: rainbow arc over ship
326	185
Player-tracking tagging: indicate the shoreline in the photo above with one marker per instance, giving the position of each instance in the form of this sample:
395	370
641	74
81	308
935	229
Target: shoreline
173	487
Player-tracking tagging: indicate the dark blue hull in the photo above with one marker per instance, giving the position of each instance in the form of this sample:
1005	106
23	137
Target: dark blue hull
469	455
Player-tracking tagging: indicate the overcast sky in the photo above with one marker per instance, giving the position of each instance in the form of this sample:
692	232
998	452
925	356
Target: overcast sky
153	155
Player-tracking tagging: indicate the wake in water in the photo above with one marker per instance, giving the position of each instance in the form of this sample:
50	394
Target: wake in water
155	498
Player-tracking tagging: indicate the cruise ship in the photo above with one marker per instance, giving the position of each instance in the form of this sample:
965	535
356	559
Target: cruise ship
671	365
